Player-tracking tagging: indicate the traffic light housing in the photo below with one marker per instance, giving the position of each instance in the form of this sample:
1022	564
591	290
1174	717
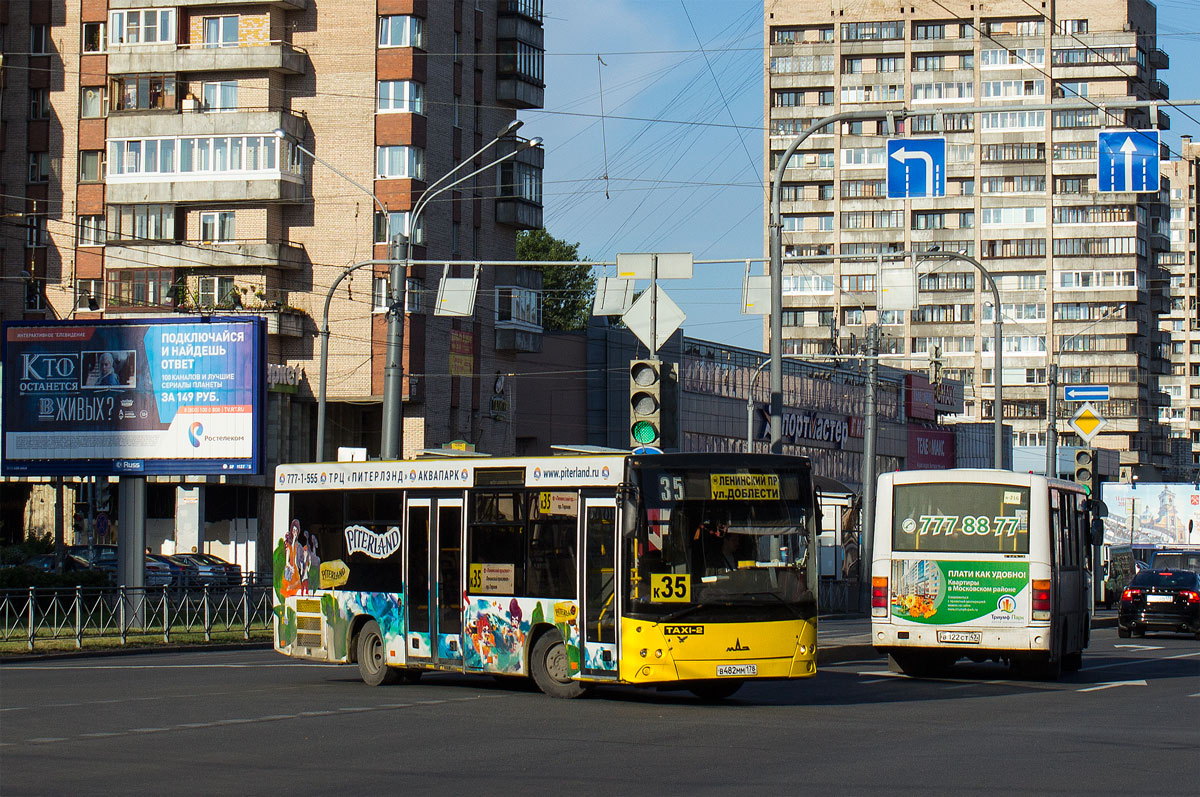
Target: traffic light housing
1085	468
653	404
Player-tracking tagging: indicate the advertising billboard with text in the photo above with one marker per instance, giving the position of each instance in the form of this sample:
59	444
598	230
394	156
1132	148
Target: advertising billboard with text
154	396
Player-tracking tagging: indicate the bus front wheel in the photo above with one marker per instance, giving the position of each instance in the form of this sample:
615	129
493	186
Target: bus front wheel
372	661
551	671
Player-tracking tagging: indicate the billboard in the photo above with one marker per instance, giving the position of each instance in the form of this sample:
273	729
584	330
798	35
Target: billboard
1151	514
153	396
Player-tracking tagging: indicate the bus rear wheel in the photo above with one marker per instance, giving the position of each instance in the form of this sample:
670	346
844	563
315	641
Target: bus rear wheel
372	661
551	671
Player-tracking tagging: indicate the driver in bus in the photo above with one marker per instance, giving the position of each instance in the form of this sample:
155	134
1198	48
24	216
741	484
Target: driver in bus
722	548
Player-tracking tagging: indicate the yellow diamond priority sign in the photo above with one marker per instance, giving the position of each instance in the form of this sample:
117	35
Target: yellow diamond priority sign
1087	422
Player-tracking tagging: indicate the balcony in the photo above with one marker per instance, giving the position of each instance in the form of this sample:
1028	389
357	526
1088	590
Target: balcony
519	194
286	5
241	121
1159	59
158	58
520	44
1159	90
236	254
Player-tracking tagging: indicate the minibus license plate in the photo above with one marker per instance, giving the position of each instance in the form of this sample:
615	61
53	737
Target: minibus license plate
737	669
974	637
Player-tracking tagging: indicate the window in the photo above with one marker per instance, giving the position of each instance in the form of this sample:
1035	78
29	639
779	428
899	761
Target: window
93	102
216	227
515	305
1070	26
140	288
872	31
220	31
94	37
400	31
380	301
520	59
1071	89
155	92
928	63
36	234
806	283
214	291
962	90
131	158
220	95
400	162
394	225
1003	217
858	283
888	63
91	166
88	292
1014	120
39	103
141	222
38	39
146	26
414	293
91	231
400	96
925	30
39	167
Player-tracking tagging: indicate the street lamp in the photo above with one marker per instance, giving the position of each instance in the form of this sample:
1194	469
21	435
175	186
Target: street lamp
390	434
1052	389
393	373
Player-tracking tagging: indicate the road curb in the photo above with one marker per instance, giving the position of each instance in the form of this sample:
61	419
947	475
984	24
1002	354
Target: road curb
11	658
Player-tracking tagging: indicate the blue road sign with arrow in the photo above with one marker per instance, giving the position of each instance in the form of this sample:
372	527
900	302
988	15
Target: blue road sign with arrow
916	167
1086	393
1127	160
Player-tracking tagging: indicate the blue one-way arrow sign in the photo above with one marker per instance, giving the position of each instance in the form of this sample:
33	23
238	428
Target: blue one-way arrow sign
1127	160
1086	393
916	167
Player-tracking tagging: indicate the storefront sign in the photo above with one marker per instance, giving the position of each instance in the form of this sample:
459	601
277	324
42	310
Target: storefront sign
929	449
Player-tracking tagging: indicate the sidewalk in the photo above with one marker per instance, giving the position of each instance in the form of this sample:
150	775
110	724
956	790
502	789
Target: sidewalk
848	637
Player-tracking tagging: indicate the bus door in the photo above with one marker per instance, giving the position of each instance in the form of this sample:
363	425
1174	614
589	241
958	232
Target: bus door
447	597
417	516
600	588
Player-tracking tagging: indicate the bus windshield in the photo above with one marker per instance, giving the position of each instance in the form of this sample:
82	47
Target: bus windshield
712	542
949	517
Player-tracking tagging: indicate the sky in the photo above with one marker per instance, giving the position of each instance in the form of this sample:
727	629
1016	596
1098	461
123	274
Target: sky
653	128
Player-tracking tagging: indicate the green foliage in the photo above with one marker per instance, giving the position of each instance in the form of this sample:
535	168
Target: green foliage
30	546
566	290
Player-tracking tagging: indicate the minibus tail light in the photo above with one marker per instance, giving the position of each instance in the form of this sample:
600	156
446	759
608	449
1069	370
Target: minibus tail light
879	596
1041	599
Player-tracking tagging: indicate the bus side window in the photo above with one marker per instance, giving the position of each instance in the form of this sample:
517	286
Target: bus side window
496	536
551	569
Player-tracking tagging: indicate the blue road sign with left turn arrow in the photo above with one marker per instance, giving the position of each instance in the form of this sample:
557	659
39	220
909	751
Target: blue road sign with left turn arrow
1127	160
916	167
1086	393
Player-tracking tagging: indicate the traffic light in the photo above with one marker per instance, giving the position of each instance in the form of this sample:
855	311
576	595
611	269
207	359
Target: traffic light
935	365
1085	468
653	403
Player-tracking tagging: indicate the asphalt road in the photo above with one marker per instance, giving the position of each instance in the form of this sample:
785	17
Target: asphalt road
252	722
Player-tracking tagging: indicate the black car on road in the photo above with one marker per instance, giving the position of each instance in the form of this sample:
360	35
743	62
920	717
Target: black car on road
1160	600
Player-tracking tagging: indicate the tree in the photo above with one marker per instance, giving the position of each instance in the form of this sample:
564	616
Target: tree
566	290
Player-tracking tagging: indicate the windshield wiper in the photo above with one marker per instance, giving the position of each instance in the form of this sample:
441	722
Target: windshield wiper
675	615
789	606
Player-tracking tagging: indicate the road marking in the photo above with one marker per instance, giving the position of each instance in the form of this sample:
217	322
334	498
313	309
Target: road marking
874	680
1140	647
186	726
1111	685
1182	655
47	667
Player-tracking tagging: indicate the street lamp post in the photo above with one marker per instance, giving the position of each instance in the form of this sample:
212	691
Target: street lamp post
998	345
398	259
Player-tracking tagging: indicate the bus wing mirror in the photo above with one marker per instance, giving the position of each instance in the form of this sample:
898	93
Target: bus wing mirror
627	496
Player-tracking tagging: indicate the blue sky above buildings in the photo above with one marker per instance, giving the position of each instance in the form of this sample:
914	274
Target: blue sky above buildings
681	136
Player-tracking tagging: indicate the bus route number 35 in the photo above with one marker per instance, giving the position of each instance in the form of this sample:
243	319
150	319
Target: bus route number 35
670	588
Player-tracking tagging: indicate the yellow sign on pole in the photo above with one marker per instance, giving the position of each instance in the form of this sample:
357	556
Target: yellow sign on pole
1087	422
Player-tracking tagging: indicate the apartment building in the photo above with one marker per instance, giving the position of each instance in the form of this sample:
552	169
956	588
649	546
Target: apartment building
1180	323
143	176
1077	270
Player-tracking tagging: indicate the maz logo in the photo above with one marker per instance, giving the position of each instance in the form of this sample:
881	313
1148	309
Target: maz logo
737	646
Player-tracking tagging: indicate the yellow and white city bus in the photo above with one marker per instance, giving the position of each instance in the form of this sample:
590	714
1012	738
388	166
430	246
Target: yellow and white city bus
986	564
690	571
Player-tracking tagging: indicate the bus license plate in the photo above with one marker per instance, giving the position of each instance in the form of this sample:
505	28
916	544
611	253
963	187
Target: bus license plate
739	670
970	637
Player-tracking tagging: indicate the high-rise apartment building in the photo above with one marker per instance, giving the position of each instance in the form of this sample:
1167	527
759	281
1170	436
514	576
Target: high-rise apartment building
1181	322
142	175
1078	271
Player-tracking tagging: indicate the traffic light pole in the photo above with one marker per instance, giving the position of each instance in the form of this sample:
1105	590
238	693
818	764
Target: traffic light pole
870	435
1052	419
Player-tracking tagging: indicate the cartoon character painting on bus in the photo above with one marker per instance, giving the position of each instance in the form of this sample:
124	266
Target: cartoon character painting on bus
498	628
301	569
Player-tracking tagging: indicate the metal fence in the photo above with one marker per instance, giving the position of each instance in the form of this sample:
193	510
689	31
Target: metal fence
122	614
839	597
